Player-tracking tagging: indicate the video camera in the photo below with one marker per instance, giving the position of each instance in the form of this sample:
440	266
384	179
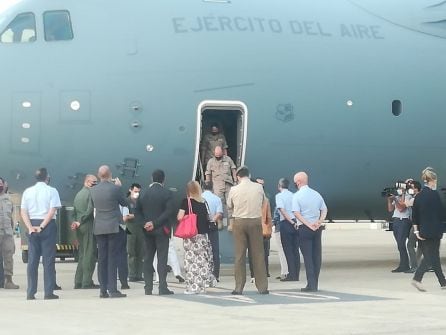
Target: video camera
393	191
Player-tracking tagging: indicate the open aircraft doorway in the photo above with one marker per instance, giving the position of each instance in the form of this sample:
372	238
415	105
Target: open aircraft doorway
232	119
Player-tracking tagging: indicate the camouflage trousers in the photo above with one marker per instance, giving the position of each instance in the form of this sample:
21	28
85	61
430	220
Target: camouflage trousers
7	249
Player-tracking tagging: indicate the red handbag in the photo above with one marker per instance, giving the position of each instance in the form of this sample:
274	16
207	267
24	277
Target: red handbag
187	227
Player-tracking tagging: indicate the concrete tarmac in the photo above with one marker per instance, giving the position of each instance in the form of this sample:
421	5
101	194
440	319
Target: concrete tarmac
359	295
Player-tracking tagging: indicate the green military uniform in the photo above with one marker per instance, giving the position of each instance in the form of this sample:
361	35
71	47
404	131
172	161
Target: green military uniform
210	141
135	246
83	213
7	245
220	172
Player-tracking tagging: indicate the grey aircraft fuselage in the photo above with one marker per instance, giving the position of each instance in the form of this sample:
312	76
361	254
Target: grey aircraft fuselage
321	82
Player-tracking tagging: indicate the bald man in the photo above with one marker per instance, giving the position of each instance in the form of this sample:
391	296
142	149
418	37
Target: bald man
221	171
107	197
83	225
310	210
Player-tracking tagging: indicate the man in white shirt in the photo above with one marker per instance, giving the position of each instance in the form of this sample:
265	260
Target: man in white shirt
215	214
38	209
401	225
288	230
310	211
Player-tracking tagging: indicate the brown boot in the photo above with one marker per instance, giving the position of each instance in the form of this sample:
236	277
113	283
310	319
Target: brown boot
9	285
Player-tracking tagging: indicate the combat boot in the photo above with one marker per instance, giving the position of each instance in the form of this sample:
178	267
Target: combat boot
9	285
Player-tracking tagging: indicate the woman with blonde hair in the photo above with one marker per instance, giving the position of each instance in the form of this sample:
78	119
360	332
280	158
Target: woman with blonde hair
427	212
197	252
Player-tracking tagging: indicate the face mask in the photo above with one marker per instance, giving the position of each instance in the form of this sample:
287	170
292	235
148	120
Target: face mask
219	158
135	195
1	189
411	191
400	192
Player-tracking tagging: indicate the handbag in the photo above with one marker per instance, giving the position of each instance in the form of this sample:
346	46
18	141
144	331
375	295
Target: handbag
267	227
212	224
187	227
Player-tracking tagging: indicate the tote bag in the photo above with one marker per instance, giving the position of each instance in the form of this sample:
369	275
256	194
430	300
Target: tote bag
187	227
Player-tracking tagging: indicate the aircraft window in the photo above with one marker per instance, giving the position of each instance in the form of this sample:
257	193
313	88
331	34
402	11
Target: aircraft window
21	30
57	25
397	107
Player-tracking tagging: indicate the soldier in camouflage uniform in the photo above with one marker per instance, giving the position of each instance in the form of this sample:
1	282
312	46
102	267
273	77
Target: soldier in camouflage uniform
221	171
210	141
7	245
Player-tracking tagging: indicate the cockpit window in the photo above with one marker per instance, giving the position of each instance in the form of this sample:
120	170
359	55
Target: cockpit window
57	24
21	30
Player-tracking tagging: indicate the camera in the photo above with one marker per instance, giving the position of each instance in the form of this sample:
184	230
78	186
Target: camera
393	191
389	192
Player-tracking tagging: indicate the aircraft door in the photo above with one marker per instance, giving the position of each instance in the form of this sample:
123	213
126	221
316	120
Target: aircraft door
231	119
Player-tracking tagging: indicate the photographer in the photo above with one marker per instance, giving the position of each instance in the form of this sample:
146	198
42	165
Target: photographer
401	223
413	188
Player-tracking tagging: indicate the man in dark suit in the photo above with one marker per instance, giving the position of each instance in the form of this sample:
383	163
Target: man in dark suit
107	197
427	214
154	211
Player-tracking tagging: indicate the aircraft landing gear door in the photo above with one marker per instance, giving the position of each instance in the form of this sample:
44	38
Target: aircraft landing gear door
231	117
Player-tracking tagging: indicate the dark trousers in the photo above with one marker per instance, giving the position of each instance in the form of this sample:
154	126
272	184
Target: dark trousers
431	258
123	265
135	249
2	273
155	243
266	247
311	248
42	244
289	237
87	256
413	249
108	253
215	244
401	229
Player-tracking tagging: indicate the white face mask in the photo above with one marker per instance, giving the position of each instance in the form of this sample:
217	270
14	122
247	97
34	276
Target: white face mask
411	191
400	191
135	195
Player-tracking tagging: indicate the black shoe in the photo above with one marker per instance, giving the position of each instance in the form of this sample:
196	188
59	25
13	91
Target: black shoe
51	297
308	289
264	292
30	297
398	269
236	292
411	270
77	286
117	294
180	278
125	286
57	287
104	295
165	292
92	286
287	278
